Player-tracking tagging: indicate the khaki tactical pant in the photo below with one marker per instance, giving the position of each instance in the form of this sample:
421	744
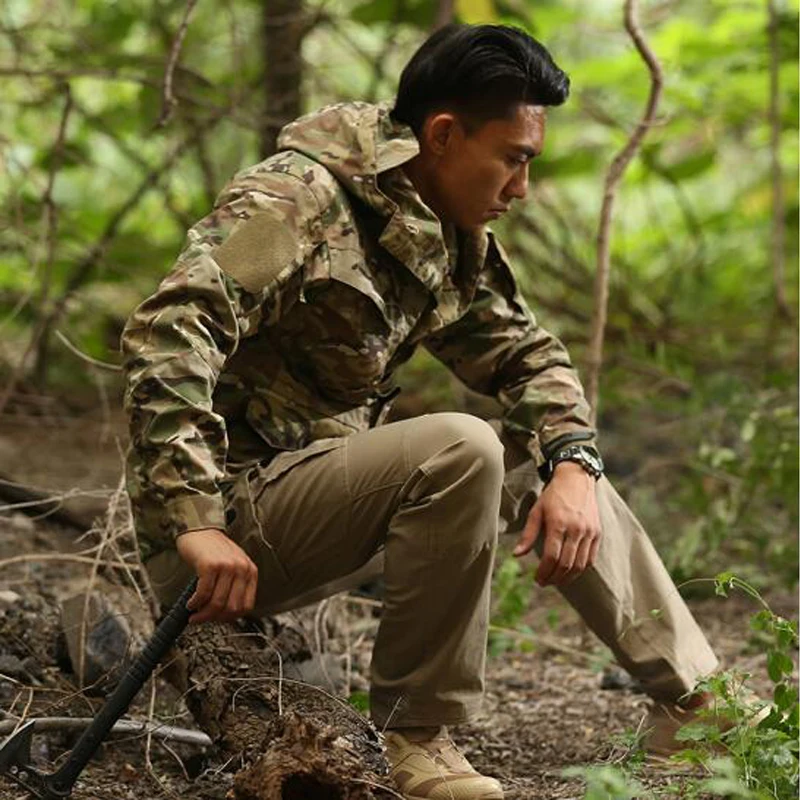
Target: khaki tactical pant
423	500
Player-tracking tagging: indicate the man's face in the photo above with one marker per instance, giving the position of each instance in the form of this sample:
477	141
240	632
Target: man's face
473	178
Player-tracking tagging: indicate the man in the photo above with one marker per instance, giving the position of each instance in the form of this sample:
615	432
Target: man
259	376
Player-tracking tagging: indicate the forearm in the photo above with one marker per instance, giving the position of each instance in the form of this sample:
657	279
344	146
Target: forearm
545	408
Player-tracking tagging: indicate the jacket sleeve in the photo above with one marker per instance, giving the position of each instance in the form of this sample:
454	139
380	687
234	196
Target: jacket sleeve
240	268
497	348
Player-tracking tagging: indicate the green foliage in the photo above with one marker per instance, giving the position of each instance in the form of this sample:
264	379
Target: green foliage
743	489
511	595
360	701
754	755
606	783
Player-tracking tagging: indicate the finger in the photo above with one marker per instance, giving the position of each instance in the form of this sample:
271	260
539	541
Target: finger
533	527
550	555
566	559
215	608
593	551
582	557
236	596
581	561
207	579
252	588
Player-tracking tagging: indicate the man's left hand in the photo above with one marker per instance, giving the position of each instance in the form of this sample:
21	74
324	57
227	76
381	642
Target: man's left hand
566	512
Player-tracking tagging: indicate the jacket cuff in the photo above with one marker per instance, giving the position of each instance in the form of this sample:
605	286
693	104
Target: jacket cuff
192	513
541	451
555	444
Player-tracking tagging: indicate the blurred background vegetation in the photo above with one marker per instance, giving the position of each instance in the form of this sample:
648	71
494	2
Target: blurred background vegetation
103	170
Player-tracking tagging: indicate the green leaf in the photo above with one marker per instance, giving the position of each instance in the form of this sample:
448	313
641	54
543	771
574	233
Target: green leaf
416	12
475	12
785	696
690	167
697	732
778	665
723	583
359	700
582	162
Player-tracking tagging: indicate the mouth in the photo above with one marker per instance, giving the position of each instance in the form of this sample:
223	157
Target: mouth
494	213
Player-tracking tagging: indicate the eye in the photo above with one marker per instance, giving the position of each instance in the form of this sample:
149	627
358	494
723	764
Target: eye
516	161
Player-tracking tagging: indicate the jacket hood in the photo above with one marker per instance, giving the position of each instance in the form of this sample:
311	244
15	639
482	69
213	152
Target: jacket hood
355	141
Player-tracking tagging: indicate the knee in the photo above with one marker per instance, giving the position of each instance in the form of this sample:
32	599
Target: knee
460	442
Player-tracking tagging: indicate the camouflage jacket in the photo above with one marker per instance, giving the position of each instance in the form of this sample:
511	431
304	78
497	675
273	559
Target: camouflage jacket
317	273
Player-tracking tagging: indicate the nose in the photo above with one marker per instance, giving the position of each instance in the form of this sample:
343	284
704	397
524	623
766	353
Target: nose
517	187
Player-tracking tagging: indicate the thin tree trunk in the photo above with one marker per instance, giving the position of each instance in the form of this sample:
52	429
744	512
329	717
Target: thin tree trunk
284	25
444	14
778	203
51	214
613	177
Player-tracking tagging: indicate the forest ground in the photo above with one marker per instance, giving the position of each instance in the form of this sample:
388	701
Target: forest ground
545	709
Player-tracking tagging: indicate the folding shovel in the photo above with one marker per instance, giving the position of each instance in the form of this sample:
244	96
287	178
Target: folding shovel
15	754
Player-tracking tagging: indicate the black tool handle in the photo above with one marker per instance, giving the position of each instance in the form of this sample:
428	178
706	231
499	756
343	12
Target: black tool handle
165	635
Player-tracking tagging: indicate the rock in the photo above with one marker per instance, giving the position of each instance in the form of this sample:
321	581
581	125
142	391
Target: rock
13	667
615	679
8	598
20	523
324	671
115	628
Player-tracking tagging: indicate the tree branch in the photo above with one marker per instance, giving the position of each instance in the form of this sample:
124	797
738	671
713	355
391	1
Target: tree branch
170	102
51	215
613	177
94	255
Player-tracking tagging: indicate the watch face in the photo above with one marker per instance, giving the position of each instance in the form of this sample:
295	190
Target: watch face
585	456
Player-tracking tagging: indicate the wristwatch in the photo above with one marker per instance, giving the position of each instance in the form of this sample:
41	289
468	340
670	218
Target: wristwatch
581	454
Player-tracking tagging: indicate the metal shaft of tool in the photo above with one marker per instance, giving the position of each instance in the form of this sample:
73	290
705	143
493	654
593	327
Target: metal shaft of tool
169	629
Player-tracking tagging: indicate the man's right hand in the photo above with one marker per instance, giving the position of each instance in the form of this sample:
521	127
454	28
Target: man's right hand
227	578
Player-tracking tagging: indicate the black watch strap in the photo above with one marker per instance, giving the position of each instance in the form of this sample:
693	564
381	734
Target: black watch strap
582	454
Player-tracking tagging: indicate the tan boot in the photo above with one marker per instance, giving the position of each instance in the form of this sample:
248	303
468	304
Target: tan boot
664	720
426	765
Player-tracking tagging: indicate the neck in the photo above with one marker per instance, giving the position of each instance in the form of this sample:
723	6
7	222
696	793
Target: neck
415	171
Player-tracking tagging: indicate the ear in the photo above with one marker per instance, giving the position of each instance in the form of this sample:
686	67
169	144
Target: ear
438	131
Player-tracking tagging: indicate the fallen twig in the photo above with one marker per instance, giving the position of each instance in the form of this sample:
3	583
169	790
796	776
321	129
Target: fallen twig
544	641
64	557
123	726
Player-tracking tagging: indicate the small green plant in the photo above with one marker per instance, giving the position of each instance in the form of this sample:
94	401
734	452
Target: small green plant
606	782
512	594
359	700
740	495
762	745
754	755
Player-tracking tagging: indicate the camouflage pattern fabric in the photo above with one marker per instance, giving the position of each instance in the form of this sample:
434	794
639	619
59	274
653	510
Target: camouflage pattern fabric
318	272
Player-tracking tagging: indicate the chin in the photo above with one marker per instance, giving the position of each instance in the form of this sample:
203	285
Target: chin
470	227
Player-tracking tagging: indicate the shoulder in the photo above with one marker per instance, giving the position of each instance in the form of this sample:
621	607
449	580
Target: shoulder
304	189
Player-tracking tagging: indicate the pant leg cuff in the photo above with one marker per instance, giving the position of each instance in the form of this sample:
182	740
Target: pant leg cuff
420	712
683	681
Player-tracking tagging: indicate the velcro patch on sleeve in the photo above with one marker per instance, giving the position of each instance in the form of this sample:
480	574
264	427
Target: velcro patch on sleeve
257	251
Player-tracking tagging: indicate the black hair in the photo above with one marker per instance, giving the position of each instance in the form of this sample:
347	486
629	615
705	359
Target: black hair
479	71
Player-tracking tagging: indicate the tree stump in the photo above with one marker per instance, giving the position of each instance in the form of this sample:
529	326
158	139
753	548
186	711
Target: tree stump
292	740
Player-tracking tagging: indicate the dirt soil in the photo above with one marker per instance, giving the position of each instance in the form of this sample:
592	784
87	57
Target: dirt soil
545	709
